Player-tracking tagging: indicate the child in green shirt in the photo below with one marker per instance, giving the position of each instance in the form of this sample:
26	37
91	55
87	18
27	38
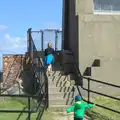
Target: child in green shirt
79	108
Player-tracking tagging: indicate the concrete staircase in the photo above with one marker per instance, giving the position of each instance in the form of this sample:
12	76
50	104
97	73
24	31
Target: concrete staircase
61	90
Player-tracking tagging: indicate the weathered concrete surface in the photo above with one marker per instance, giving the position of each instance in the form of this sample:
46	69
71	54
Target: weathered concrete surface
60	89
93	37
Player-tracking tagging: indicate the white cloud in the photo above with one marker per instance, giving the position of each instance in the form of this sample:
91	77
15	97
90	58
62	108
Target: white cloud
7	36
13	45
3	27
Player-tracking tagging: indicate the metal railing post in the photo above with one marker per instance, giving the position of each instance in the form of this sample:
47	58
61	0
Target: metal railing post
56	39
47	96
42	37
35	89
29	113
28	43
88	90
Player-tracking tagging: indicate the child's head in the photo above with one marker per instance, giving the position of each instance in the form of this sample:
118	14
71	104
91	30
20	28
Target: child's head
78	98
50	44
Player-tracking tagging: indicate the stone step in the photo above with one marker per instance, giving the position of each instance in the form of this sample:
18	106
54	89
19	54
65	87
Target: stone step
62	101
60	84
59	108
60	81
51	84
54	78
55	73
61	89
59	78
63	83
54	95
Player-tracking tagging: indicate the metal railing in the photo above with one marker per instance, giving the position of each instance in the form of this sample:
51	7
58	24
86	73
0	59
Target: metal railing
33	63
42	37
40	96
89	80
41	80
79	77
88	89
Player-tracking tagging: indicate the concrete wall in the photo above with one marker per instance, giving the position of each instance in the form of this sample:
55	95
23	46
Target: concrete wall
70	27
73	28
98	38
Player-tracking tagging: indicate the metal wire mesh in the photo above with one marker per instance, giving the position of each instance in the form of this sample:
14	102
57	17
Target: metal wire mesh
41	39
36	36
48	36
59	45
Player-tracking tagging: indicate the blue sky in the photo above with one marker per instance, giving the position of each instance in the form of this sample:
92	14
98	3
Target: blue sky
16	16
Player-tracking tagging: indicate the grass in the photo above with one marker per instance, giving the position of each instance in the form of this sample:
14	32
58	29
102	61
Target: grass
95	114
13	104
47	116
98	113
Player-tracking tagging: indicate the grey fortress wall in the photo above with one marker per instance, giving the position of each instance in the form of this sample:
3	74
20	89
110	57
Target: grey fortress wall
92	36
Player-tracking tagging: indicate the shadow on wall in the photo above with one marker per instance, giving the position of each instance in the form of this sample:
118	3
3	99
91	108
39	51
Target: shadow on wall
71	29
88	70
74	30
28	78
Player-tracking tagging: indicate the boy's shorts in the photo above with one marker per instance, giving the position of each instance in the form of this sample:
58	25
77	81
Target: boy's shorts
49	60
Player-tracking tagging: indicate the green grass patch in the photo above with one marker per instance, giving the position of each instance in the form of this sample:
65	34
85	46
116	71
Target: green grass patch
19	104
12	104
98	113
47	116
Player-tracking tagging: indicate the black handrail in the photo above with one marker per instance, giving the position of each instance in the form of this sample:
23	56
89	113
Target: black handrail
117	86
91	91
41	95
24	96
44	94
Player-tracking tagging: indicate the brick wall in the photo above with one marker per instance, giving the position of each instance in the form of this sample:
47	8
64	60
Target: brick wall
11	69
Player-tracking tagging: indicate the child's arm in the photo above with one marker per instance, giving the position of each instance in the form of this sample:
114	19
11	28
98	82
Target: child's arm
70	109
89	105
